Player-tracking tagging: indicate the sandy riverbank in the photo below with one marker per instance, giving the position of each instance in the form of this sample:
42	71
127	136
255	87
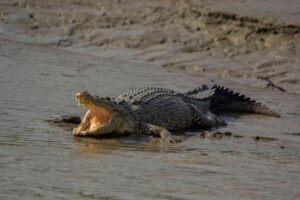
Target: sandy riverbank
237	40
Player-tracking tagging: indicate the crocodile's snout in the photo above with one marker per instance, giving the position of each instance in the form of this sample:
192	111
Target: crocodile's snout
78	94
83	97
82	94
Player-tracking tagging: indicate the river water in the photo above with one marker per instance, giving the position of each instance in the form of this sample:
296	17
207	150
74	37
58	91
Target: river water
41	161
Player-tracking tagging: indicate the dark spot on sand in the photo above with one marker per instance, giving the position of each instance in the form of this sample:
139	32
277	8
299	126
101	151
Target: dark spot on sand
238	136
295	134
265	139
227	134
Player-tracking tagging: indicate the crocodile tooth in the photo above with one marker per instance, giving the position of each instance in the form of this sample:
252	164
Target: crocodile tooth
78	102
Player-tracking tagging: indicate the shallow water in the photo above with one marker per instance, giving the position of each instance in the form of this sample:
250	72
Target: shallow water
39	160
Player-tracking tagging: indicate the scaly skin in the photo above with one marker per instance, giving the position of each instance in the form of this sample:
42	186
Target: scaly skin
156	111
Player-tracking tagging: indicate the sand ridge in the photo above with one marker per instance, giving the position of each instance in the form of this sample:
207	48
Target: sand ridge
194	36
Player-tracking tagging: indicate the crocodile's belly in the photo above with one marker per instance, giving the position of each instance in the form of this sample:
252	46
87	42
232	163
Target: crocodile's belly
171	113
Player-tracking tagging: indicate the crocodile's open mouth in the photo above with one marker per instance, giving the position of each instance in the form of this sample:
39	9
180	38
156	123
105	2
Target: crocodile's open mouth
95	117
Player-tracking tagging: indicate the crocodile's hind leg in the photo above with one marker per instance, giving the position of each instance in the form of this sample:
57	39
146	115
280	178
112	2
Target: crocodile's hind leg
157	131
206	120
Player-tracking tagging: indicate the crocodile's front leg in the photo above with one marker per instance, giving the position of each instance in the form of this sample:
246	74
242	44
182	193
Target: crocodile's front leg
157	131
114	125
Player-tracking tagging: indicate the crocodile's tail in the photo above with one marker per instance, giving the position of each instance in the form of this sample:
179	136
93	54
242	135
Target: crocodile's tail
224	98
194	92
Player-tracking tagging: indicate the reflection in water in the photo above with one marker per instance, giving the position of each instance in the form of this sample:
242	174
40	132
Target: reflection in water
90	145
125	143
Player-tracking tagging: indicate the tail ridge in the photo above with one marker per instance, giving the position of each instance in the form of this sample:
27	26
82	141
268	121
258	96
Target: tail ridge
224	98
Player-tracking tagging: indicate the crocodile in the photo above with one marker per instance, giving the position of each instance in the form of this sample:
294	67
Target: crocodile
158	111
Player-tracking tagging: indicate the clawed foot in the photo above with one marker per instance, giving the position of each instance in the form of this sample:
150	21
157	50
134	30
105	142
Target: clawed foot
170	138
173	140
221	122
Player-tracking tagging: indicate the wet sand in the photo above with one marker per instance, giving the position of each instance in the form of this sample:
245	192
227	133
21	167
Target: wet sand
51	50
